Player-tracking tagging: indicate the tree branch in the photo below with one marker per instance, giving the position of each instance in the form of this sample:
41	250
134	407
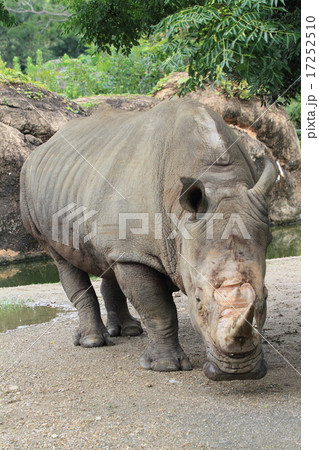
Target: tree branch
32	11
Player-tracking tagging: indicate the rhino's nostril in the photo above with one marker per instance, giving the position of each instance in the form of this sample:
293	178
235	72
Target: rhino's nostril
198	304
240	340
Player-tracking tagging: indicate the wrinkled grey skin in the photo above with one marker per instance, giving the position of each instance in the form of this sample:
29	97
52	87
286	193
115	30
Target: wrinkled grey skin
154	160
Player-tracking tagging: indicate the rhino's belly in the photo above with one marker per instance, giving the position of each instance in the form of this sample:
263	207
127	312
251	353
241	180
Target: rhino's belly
99	260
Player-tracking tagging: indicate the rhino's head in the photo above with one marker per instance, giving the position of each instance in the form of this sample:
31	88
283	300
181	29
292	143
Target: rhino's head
222	267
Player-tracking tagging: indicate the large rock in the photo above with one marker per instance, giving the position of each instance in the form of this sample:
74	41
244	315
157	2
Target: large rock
29	116
128	103
266	131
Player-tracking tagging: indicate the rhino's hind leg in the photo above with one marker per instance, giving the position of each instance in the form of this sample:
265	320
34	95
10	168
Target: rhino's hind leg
77	286
119	320
148	291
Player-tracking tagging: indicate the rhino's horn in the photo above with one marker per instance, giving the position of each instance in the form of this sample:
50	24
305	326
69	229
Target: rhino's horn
242	327
266	180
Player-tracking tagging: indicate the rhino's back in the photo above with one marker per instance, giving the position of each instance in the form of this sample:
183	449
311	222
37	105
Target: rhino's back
108	163
83	162
76	155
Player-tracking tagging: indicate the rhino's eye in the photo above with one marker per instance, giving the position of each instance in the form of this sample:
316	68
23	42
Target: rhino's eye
223	159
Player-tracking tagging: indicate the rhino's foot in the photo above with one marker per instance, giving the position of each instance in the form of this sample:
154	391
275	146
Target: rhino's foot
95	339
131	327
168	361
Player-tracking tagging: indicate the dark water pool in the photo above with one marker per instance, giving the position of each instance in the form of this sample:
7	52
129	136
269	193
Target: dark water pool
286	242
28	273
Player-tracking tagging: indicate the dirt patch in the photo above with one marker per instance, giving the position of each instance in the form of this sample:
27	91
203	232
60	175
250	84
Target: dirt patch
55	395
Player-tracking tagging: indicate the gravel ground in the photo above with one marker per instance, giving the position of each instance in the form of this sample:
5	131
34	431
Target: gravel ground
55	395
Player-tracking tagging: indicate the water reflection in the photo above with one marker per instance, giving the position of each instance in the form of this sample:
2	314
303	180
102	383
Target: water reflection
12	316
28	273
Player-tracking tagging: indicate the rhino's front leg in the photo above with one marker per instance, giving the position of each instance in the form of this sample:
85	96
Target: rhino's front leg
148	291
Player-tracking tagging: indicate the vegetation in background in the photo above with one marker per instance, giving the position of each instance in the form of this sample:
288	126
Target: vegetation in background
294	111
14	75
122	23
248	47
6	19
30	31
248	40
97	73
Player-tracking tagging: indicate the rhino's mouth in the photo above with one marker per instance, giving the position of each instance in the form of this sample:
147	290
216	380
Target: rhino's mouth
244	366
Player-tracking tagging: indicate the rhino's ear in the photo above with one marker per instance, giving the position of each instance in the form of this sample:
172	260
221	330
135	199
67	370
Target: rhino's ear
193	197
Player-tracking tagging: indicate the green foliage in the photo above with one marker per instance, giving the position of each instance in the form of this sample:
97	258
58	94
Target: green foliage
246	47
294	111
119	24
89	104
240	90
31	93
16	64
237	40
98	73
293	50
8	75
6	19
31	31
219	41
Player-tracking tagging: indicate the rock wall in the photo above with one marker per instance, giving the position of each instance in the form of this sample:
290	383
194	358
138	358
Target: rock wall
29	116
128	103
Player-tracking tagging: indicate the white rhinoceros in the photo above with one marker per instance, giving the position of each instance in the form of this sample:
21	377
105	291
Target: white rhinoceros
168	199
